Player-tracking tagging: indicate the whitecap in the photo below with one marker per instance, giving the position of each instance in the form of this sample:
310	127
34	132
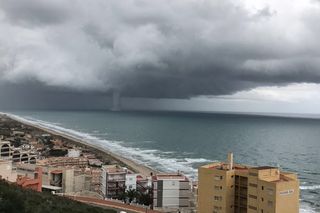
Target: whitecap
310	187
162	161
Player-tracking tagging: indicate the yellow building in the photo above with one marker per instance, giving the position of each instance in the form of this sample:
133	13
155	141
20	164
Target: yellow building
234	188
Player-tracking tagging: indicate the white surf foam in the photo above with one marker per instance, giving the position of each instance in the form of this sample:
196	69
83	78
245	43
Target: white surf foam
152	157
162	161
310	187
305	208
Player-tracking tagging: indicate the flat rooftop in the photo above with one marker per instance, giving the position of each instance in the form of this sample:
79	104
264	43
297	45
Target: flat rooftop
265	167
170	176
224	166
112	169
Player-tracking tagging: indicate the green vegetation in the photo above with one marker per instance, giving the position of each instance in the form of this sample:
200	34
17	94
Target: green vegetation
57	153
14	199
136	197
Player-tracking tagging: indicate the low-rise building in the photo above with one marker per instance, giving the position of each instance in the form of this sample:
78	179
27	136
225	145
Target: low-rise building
95	174
131	181
31	183
6	171
75	181
66	180
74	153
113	178
171	191
144	185
64	161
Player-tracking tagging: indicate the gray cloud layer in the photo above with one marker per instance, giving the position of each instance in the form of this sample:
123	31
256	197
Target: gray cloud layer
158	48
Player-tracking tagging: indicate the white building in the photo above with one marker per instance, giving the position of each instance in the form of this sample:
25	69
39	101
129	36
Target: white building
113	180
74	153
171	191
131	181
7	172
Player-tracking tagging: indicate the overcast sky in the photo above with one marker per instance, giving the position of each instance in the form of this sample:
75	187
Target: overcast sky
219	55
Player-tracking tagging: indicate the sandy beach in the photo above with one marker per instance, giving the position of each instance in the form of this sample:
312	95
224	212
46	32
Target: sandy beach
131	164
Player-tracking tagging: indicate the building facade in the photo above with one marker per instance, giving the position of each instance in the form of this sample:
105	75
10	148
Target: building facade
113	180
31	183
6	171
233	188
171	191
131	181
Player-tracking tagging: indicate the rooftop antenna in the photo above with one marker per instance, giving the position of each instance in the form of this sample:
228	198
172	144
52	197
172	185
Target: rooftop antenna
230	160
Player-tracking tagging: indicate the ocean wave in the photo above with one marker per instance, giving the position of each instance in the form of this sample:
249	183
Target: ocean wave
162	161
305	208
310	187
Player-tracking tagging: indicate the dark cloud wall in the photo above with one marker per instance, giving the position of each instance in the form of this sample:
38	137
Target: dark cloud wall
158	48
27	96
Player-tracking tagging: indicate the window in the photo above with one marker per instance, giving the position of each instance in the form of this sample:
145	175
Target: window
262	199
217	198
217	207
253	185
218	187
253	196
261	210
262	187
270	191
253	174
218	177
252	207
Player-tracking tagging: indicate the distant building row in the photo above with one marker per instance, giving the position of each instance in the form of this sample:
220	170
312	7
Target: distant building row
166	190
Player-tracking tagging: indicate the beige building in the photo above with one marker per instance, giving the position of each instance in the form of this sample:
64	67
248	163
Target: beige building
7	171
113	178
64	162
233	188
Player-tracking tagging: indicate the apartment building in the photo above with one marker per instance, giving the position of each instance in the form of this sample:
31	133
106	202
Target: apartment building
233	188
7	171
131	181
113	178
64	162
171	191
144	185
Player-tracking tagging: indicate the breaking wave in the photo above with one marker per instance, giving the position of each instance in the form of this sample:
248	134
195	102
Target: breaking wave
162	161
310	187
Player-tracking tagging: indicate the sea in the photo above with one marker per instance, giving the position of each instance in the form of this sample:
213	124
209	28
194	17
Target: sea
183	141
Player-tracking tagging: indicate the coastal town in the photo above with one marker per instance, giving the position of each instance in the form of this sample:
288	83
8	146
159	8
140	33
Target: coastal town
48	162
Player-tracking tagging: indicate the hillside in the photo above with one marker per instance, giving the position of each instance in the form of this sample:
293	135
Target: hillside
15	199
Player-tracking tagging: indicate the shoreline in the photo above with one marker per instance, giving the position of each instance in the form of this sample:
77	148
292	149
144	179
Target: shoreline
129	163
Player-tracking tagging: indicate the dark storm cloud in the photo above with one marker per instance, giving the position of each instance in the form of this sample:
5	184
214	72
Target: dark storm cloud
34	12
159	48
37	96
